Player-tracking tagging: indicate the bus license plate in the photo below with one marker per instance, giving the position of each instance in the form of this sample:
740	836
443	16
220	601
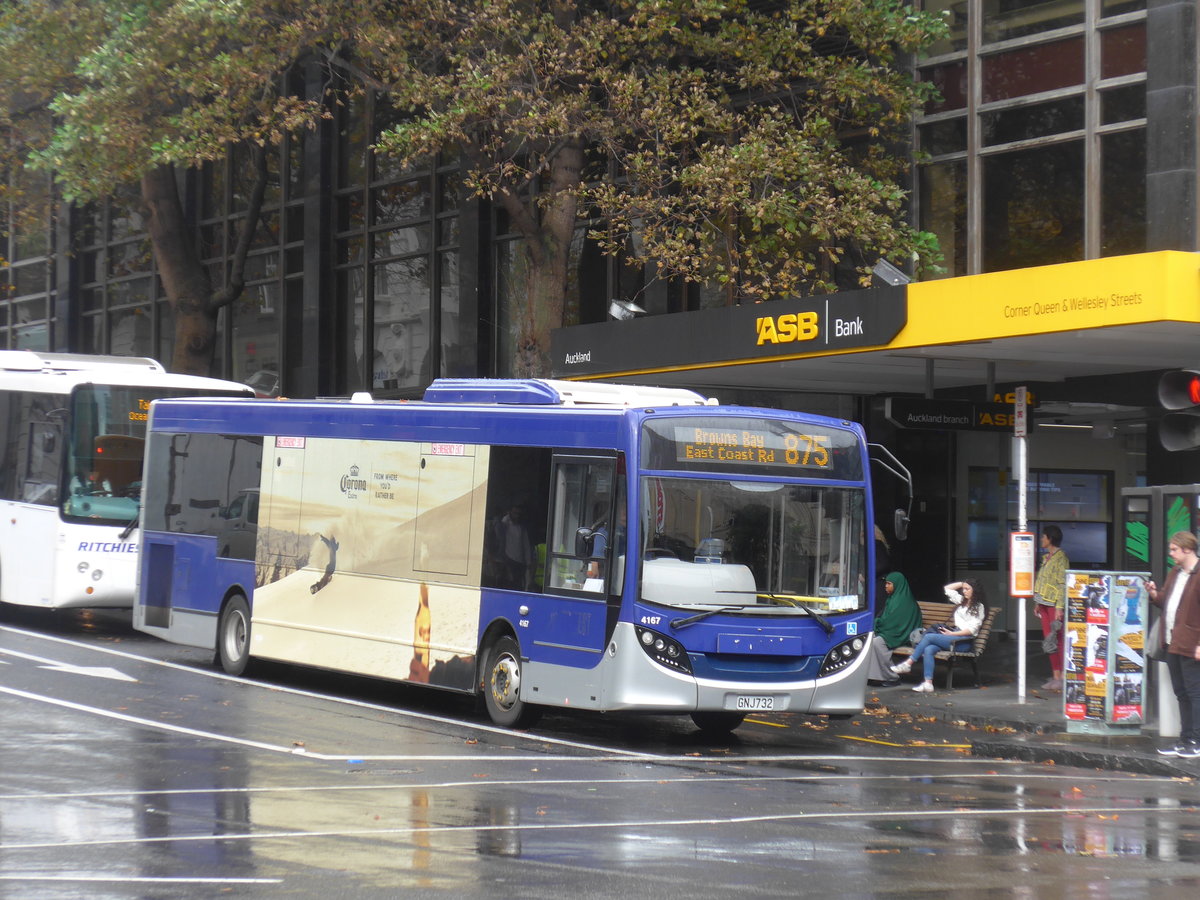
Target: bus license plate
754	703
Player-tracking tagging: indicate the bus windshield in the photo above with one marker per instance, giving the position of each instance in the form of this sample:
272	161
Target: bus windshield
103	465
712	542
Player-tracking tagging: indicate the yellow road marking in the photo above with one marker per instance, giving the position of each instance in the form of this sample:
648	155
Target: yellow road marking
848	737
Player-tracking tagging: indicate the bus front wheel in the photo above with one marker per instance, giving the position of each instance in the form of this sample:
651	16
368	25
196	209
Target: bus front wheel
233	636
717	722
502	686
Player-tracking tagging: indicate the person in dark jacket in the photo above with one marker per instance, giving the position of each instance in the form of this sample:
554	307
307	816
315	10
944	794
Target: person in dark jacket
1179	601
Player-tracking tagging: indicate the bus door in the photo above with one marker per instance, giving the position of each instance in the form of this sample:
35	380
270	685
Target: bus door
568	623
33	459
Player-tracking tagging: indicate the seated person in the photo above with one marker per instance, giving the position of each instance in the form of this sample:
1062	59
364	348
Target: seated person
969	614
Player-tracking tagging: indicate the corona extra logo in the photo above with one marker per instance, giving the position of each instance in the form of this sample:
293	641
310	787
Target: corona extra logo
788	328
352	482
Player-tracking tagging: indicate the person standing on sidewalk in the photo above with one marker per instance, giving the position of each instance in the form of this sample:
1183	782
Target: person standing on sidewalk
1179	601
1050	599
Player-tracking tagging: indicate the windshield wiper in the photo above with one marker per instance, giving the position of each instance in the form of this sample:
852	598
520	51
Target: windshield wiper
825	624
128	529
690	620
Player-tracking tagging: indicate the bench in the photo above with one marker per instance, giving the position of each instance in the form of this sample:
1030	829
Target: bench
942	613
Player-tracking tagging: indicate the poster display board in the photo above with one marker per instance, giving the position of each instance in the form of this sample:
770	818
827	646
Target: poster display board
1104	666
1022	561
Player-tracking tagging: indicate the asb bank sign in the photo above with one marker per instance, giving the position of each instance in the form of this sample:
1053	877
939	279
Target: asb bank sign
780	329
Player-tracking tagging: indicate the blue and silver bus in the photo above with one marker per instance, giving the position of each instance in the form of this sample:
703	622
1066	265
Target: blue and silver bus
544	543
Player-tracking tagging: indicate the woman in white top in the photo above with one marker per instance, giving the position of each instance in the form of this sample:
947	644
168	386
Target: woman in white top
968	618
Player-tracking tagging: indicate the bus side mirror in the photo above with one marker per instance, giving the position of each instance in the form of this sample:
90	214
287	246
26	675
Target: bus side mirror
583	541
900	526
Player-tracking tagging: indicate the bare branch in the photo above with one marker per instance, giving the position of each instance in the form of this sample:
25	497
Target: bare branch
236	282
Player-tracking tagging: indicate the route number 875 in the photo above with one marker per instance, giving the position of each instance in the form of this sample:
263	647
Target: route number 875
806	450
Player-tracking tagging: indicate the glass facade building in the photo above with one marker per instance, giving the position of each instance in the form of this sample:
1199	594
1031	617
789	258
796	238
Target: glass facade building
1036	152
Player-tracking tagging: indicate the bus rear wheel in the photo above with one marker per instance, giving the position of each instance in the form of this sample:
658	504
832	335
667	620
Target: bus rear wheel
717	722
502	686
233	636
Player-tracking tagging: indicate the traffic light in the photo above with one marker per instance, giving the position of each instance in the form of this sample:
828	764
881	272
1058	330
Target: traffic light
1180	391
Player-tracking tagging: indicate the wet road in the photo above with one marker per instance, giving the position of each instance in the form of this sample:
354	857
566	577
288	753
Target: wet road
132	768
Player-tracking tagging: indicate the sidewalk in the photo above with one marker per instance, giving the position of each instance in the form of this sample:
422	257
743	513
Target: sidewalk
998	725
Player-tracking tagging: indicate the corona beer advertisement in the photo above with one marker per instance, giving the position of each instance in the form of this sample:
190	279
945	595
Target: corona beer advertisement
368	557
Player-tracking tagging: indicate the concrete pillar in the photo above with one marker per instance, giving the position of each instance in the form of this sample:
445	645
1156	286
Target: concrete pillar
1172	186
1168	708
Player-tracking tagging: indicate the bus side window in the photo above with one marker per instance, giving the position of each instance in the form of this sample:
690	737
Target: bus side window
514	539
43	450
578	552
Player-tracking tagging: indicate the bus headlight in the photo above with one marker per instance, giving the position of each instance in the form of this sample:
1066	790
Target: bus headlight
97	574
664	650
841	656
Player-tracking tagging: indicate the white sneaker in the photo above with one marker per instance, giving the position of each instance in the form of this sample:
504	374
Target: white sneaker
925	687
902	668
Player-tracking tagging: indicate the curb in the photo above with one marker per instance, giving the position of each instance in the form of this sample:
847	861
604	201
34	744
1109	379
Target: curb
1046	743
1060	754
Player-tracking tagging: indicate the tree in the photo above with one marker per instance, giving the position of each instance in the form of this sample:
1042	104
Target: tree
108	94
748	144
750	140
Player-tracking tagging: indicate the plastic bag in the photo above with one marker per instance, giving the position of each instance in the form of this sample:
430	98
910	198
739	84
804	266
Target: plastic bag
1050	641
1155	650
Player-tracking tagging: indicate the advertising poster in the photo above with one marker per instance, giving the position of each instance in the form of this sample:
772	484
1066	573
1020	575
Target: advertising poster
1103	657
368	557
1083	670
1022	555
1094	691
1128	670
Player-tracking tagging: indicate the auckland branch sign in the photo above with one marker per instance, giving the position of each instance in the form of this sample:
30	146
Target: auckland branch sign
780	329
949	415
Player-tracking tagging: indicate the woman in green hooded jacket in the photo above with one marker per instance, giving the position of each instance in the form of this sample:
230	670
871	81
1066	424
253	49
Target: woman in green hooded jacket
900	617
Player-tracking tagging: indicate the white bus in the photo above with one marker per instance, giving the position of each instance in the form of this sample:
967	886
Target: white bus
72	432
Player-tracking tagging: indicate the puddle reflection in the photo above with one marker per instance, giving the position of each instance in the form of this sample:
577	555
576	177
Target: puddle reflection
1123	833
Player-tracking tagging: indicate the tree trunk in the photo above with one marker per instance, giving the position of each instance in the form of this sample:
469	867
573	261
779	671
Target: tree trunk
548	256
184	278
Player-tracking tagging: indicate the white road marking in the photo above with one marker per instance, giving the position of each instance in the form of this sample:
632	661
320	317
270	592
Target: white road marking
148	723
359	704
91	672
889	815
57	665
1071	779
133	879
606	754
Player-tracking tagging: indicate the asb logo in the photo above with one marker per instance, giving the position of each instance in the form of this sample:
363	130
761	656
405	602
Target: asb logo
788	328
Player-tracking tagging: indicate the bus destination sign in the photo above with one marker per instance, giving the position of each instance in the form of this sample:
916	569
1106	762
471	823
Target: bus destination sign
752	446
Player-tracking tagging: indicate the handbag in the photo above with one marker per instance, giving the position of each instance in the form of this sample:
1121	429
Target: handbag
1154	648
